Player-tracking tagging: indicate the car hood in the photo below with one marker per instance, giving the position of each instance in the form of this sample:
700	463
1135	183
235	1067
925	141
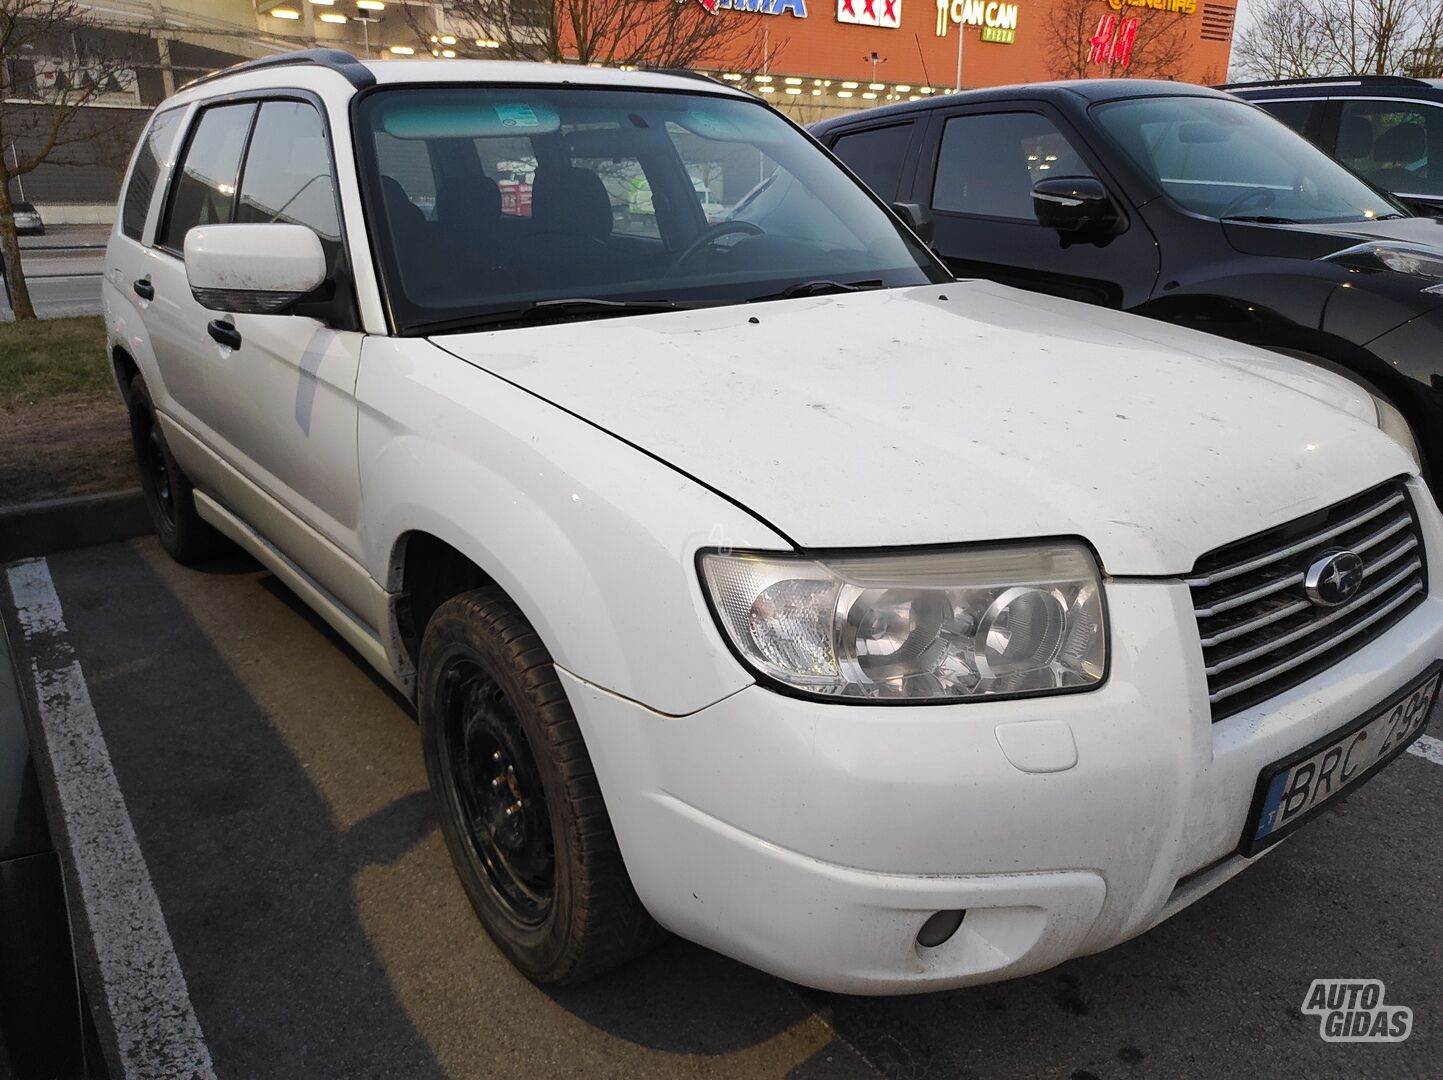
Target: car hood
1314	241
898	417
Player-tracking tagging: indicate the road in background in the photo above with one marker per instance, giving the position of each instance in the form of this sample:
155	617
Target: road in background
277	793
63	269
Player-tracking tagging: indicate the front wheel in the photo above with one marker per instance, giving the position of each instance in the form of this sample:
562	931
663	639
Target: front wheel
518	799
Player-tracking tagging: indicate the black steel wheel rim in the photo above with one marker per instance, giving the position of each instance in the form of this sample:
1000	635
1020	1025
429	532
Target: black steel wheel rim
495	793
158	470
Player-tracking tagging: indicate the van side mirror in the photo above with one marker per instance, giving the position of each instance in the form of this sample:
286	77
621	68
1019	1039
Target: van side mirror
916	217
259	269
1075	204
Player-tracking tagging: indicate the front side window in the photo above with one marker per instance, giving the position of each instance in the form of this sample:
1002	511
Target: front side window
557	194
288	175
1225	159
988	163
154	149
1396	145
876	156
204	192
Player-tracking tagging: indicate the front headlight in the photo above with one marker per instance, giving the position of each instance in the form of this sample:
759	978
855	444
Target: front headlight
1391	421
936	626
1393	255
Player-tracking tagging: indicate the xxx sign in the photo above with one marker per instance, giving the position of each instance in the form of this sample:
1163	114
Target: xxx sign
886	13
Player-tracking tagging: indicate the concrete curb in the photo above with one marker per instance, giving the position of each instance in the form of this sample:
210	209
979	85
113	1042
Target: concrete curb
40	528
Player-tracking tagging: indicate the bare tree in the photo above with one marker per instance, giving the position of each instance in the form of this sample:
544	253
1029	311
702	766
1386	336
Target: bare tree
1159	48
643	33
1341	37
51	66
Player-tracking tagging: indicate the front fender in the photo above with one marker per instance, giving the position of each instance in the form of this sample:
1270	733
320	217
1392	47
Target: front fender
593	540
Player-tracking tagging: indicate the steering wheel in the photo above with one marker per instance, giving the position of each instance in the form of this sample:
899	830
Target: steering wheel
710	235
1263	196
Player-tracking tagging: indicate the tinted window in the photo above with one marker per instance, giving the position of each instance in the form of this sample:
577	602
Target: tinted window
1295	114
204	193
1391	143
1220	157
876	156
554	193
288	171
988	164
154	149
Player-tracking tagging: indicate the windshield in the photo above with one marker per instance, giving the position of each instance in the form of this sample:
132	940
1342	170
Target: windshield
500	201
1230	160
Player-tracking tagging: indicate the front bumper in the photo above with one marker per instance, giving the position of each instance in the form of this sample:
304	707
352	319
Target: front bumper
813	840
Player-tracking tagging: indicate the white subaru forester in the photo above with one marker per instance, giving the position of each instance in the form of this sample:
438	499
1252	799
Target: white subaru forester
753	578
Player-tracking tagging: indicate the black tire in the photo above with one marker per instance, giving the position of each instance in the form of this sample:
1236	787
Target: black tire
519	804
168	493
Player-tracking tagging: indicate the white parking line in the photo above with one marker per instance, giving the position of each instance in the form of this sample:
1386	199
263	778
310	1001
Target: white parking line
157	1032
1428	748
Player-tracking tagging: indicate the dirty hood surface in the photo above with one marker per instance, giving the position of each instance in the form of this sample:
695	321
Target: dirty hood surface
897	417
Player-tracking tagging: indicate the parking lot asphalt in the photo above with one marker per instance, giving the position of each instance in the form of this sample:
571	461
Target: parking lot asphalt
278	797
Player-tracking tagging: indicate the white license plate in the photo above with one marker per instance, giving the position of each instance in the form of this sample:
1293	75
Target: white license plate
1291	791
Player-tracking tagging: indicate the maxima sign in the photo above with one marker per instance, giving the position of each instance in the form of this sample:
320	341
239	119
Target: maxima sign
998	21
885	13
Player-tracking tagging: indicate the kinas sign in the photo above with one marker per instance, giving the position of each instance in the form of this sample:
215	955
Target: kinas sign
985	13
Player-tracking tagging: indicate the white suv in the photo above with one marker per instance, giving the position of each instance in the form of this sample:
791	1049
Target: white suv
754	578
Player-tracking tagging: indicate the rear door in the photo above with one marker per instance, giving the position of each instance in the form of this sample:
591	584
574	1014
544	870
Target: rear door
976	173
882	155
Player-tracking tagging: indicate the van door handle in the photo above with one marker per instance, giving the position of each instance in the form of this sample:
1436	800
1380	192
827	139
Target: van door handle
224	332
143	288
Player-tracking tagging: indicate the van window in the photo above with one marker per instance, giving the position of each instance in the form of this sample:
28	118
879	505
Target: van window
204	192
154	149
876	156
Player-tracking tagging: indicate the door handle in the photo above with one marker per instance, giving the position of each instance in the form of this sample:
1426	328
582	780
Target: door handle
224	332
143	288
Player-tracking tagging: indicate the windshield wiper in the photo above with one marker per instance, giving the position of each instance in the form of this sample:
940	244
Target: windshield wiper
539	311
819	287
1263	219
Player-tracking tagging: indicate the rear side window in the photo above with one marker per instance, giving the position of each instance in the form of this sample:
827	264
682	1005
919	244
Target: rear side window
876	156
204	192
988	163
1295	114
288	176
154	149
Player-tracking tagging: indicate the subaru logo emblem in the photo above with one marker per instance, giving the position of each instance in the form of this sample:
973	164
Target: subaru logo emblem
1334	579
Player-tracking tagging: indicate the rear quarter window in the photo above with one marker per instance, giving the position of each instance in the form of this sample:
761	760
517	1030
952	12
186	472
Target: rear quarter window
155	148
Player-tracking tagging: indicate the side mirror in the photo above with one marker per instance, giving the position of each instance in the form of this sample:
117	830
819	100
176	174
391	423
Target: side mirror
916	217
253	269
1075	204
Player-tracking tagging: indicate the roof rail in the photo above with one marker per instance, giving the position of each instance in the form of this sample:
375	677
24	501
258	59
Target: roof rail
1323	80
686	73
342	63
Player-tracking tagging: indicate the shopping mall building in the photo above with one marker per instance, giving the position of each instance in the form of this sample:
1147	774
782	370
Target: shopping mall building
808	57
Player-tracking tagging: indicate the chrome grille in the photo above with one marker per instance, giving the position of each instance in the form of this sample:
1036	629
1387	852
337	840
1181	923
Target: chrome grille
1260	632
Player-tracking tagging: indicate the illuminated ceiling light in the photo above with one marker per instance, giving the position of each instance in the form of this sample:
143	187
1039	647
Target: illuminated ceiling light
322	3
816	82
435	52
766	89
816	91
902	88
448	54
844	93
370	5
332	17
403	50
731	76
761	78
285	13
447	39
434	39
849	86
869	96
792	82
876	86
794	89
914	97
487	43
925	89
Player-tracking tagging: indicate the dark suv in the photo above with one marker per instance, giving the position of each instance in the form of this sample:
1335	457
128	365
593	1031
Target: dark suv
1176	202
1386	128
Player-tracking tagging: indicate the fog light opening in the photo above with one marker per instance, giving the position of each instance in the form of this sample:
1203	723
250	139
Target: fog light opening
938	928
